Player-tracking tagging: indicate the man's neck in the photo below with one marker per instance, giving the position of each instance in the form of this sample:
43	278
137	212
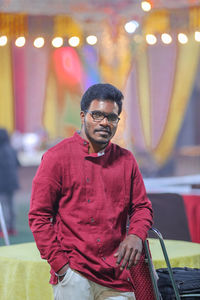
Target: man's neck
93	147
96	148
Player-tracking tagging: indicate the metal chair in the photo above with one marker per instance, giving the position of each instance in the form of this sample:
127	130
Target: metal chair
152	272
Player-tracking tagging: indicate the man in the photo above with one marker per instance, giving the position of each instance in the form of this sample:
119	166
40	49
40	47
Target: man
83	192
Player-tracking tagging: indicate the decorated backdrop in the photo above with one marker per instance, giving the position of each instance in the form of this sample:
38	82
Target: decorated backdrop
40	89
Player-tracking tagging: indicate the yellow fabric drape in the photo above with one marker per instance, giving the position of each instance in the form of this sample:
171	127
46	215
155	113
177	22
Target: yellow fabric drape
184	78
144	95
115	56
194	17
115	62
6	90
66	26
13	25
50	114
157	21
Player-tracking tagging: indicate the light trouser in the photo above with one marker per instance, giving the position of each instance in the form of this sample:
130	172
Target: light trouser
76	287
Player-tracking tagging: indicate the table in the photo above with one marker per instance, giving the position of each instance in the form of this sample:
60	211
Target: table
181	253
24	275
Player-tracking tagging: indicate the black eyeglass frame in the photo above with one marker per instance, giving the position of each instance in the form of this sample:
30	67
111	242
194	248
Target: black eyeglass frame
104	115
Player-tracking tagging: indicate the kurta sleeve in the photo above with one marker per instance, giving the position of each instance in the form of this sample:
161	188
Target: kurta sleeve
141	214
46	191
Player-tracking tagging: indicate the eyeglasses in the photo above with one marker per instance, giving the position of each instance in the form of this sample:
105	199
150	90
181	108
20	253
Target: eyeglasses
99	116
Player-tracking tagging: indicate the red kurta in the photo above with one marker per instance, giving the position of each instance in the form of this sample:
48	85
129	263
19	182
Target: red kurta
79	208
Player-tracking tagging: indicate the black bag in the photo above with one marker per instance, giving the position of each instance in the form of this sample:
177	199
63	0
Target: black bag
187	280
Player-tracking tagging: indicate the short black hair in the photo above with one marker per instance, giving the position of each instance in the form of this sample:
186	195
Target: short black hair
102	91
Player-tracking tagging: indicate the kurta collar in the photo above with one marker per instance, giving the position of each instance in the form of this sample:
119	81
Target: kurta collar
85	146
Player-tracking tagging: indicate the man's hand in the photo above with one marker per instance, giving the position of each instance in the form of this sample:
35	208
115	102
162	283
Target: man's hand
129	251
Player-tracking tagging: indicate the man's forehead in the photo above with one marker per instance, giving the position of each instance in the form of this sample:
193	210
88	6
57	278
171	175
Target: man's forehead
99	104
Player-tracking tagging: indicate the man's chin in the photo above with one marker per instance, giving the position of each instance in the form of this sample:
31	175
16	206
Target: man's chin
102	141
99	139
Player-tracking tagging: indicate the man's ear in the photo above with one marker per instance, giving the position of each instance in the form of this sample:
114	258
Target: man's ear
82	115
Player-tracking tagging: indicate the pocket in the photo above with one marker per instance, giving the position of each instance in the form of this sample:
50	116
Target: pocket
67	277
111	266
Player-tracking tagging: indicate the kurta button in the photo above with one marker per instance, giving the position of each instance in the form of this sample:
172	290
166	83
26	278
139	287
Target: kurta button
98	240
128	279
84	143
92	220
88	201
87	179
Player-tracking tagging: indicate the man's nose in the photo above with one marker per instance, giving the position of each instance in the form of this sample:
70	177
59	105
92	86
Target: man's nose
104	122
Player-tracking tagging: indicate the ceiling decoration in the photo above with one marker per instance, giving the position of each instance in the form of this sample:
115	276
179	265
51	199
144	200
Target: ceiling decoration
89	9
83	17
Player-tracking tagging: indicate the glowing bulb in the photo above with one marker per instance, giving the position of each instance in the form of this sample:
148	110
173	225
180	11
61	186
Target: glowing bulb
74	41
3	40
197	36
57	42
166	38
151	39
131	26
91	39
183	39
39	42
146	6
20	41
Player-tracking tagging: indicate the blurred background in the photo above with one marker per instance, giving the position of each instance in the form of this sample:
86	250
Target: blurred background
52	51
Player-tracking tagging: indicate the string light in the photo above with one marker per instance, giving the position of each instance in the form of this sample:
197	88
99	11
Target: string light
166	38
146	6
39	42
57	42
151	39
91	39
20	41
183	39
74	41
3	40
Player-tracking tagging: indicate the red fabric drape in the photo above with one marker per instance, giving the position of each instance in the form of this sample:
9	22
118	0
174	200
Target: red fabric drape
192	207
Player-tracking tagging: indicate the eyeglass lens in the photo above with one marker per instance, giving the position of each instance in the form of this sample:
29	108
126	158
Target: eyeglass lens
99	116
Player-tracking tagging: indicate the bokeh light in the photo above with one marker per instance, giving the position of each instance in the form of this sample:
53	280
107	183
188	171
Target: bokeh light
39	42
74	41
91	39
3	40
151	39
182	37
166	38
197	36
131	26
20	41
146	6
57	42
